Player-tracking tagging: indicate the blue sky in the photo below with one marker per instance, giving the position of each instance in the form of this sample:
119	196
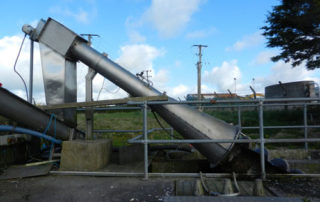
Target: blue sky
156	35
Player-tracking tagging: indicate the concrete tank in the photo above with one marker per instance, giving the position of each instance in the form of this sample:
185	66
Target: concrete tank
298	89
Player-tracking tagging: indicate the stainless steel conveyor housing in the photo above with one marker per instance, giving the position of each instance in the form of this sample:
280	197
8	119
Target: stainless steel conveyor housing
189	122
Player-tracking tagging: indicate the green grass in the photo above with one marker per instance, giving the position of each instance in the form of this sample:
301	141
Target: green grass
133	120
120	120
275	118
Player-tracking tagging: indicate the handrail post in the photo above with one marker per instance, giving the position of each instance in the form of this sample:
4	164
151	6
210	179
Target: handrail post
239	117
261	132
145	135
305	123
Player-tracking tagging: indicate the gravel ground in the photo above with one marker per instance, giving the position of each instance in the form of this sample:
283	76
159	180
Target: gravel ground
83	188
296	187
77	188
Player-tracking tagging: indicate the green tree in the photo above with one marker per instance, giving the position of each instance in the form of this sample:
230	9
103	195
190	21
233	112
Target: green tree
294	27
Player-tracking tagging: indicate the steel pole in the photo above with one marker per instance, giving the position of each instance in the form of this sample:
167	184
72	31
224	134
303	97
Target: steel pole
145	136
89	111
31	72
261	132
239	117
305	123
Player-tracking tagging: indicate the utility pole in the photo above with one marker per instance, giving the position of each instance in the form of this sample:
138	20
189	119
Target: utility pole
199	66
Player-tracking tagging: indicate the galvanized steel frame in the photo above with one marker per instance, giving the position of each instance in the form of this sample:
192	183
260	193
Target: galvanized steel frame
260	103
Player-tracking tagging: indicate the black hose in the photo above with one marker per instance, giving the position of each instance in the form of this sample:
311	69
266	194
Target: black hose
158	121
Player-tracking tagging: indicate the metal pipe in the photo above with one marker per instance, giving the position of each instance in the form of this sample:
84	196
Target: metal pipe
31	72
305	122
234	101
261	132
194	102
197	141
89	112
281	127
292	140
26	114
239	116
117	131
6	128
189	122
131	131
174	175
145	136
110	108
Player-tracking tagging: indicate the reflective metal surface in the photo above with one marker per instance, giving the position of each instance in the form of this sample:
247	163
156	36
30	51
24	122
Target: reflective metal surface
60	83
29	116
190	123
89	112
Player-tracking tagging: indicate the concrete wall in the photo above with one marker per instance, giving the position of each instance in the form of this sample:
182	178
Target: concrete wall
85	155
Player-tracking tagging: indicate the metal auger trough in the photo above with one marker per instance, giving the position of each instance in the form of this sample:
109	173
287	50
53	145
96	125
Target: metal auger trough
189	122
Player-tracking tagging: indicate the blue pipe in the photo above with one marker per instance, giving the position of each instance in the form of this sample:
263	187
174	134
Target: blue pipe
29	132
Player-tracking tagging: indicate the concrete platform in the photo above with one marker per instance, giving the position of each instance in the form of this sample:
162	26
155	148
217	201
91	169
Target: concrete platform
85	155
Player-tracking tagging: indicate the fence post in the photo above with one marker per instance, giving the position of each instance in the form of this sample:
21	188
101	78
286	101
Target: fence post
145	135
305	123
239	117
171	133
261	132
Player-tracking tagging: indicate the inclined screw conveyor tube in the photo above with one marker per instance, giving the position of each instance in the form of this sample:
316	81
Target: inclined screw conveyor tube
24	113
189	122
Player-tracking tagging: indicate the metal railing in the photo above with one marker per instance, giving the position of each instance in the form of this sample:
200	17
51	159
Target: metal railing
260	104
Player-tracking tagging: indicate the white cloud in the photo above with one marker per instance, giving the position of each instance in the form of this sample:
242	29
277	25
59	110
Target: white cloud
223	77
200	33
284	72
177	63
135	58
160	78
263	57
246	42
170	17
179	91
9	47
136	37
79	14
138	57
